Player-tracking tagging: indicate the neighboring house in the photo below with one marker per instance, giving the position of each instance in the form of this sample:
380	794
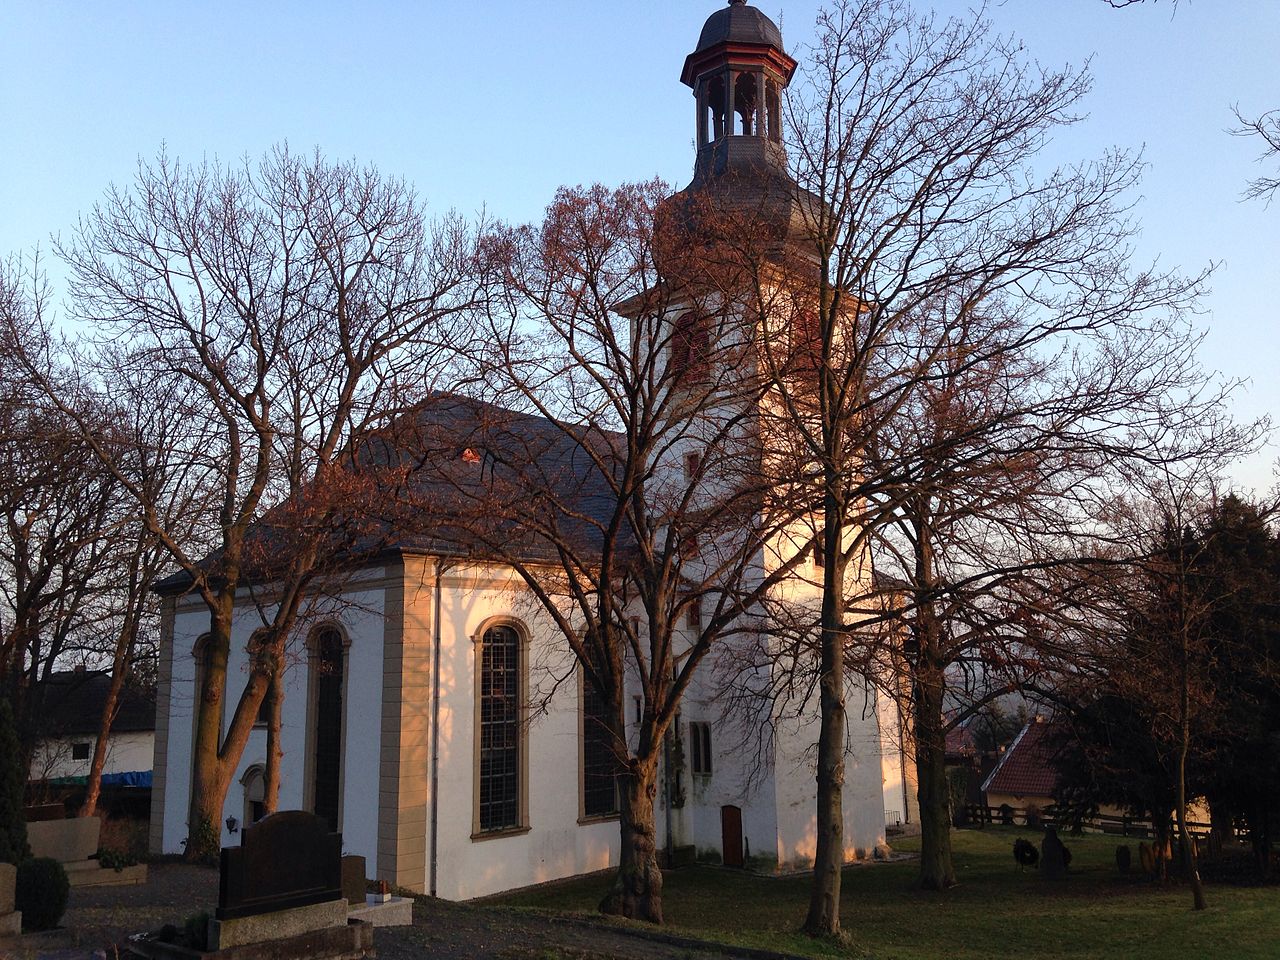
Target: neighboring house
71	714
1025	777
507	789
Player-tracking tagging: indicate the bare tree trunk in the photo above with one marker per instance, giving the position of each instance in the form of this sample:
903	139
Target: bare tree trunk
824	895
93	787
1189	865
937	872
209	779
637	889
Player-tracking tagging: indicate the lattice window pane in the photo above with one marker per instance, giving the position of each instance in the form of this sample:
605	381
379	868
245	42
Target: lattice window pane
600	766
499	729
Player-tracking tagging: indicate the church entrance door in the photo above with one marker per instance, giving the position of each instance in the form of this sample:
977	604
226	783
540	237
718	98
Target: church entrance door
731	835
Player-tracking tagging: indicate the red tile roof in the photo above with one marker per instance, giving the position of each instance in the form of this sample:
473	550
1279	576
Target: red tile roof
1026	769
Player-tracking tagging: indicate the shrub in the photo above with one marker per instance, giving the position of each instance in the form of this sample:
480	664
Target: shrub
125	835
115	860
42	893
195	931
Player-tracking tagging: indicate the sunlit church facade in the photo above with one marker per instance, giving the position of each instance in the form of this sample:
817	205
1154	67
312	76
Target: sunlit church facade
407	717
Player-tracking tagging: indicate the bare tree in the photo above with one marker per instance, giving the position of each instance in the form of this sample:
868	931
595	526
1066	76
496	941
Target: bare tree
60	512
628	486
1266	127
251	321
137	562
983	352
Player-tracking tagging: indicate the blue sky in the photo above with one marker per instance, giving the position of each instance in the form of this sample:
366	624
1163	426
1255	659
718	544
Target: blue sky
496	104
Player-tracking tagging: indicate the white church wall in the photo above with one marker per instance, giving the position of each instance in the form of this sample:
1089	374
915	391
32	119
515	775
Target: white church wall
553	843
740	777
863	774
358	613
191	620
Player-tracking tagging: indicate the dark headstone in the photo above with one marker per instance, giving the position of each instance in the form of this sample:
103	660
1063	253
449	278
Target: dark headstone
353	881
1053	856
1124	858
1006	814
1147	857
44	811
290	859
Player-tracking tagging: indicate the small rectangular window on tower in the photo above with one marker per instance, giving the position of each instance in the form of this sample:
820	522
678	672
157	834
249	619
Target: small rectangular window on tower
693	614
819	553
80	751
692	464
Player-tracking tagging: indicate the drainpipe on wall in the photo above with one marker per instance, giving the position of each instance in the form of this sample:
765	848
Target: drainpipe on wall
666	794
435	727
902	763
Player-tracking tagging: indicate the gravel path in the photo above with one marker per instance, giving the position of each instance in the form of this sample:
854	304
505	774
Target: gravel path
99	916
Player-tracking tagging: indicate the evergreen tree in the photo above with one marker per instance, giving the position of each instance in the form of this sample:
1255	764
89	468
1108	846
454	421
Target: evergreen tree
13	826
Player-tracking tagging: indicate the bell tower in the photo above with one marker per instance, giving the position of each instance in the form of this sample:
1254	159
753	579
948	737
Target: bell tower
737	74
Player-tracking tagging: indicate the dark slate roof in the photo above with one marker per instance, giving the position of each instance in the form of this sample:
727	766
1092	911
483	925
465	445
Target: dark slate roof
482	479
72	702
739	23
465	477
1026	769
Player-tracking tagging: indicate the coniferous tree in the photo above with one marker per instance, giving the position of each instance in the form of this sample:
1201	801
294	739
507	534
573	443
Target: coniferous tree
13	826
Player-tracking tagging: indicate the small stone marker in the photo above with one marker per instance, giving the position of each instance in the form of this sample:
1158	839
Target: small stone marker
290	859
1053	856
353	881
1124	858
10	920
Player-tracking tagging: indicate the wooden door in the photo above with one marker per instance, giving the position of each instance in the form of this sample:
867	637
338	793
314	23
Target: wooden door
731	835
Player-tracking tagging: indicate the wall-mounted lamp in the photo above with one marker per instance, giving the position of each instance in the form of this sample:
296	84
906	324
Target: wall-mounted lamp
232	824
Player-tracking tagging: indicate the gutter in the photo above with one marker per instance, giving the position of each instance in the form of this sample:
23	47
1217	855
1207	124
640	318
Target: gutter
434	828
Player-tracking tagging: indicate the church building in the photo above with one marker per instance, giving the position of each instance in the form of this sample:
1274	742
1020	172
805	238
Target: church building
406	712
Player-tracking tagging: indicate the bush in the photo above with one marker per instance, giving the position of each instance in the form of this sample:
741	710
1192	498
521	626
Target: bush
125	835
42	893
195	931
116	860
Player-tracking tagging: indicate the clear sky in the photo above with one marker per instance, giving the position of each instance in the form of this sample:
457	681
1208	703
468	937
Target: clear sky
494	104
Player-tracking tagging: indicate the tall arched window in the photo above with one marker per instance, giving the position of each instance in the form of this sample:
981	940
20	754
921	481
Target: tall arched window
327	668
499	735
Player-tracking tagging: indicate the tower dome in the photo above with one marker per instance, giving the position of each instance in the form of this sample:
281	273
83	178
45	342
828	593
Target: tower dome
738	73
739	23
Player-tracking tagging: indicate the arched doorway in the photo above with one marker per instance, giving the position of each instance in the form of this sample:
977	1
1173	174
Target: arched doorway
731	835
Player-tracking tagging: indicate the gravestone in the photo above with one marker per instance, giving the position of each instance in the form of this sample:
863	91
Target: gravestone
10	919
1053	856
353	880
290	859
1124	858
1147	857
283	881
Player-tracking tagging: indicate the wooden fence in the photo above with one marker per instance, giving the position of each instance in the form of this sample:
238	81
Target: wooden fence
979	816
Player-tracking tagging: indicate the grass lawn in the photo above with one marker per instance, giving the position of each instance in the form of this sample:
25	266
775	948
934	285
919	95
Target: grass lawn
996	910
